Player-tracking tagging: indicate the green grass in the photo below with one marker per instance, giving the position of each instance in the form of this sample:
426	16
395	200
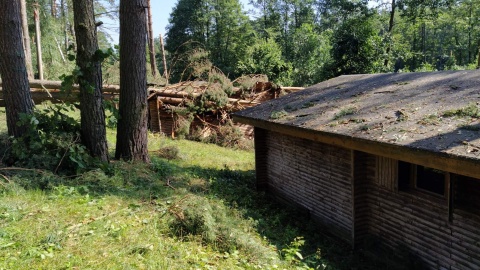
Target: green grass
345	112
471	110
3	121
194	207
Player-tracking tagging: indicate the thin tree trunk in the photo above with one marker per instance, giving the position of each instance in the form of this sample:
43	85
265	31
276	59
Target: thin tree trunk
390	30
478	56
39	43
165	70
12	67
132	125
64	20
91	99
53	8
26	39
470	28
151	46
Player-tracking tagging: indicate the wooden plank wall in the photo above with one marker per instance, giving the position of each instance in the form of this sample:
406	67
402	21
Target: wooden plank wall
315	176
318	177
416	220
364	172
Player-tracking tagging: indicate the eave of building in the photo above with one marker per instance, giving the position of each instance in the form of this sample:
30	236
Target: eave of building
448	162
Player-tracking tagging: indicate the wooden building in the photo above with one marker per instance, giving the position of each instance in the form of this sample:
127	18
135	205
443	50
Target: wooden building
390	156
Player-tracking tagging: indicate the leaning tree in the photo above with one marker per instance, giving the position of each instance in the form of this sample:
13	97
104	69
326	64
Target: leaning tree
15	85
132	125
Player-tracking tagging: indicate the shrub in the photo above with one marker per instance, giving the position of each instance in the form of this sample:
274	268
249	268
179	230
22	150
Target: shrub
52	141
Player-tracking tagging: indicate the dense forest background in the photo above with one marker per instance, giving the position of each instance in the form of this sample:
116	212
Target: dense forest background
294	42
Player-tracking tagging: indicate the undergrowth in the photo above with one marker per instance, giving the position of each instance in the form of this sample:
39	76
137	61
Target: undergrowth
52	141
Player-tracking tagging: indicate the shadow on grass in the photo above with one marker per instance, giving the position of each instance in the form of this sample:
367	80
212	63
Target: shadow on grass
279	224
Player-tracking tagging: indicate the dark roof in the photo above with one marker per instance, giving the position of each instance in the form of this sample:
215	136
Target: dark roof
436	111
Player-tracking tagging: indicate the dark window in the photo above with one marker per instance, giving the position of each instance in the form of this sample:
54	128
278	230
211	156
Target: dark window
466	193
430	180
411	176
404	173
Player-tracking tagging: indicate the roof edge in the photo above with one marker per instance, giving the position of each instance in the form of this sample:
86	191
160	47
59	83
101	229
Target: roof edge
441	161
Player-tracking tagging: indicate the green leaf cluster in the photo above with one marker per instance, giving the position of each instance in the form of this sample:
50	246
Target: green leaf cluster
52	141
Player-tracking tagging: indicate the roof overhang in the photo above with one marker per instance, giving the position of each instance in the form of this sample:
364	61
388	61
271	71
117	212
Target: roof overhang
438	160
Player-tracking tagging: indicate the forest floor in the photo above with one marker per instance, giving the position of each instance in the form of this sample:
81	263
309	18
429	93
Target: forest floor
193	207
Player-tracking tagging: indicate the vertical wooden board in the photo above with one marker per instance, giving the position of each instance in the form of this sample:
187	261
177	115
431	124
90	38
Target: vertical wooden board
386	172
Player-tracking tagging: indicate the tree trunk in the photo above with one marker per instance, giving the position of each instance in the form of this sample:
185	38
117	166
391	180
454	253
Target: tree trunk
478	56
165	70
390	30
39	43
91	99
26	39
151	47
12	67
132	125
53	8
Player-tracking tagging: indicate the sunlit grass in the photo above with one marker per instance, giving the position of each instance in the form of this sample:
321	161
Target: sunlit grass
3	121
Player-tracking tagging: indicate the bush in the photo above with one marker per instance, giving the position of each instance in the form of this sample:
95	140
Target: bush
52	141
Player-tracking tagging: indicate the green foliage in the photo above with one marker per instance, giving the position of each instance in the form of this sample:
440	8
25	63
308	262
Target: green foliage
113	115
225	135
265	57
219	27
471	110
311	53
345	112
278	114
356	47
52	141
183	122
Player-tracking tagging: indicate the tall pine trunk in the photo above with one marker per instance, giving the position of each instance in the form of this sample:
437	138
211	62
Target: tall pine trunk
132	125
26	39
91	99
12	67
151	45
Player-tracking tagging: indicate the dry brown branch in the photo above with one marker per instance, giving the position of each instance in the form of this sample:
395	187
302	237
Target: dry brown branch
6	179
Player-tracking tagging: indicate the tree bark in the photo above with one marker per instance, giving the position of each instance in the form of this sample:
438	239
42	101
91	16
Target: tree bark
151	47
91	100
39	42
132	125
26	39
165	70
12	67
53	8
390	30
